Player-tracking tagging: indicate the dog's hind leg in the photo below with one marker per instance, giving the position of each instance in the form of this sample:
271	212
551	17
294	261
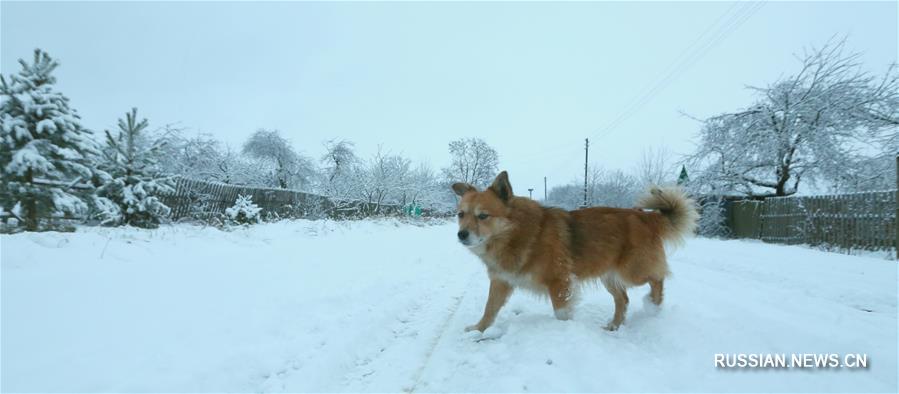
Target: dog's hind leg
619	293
656	288
499	293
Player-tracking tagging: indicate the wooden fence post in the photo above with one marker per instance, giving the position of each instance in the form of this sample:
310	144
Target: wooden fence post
896	219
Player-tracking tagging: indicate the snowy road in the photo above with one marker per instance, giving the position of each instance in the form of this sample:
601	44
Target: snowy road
381	306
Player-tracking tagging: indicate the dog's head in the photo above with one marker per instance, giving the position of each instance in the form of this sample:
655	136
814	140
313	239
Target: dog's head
483	214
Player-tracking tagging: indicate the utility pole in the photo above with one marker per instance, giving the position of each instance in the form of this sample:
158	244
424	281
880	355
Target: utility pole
531	193
544	189
586	155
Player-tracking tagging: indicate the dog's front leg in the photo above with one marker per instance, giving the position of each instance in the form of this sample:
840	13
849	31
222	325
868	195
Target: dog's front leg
499	293
561	294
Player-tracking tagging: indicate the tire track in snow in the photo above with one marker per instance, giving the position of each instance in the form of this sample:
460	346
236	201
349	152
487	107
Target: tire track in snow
407	325
390	329
449	318
408	331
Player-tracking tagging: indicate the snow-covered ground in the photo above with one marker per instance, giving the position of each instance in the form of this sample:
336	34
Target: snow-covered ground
381	306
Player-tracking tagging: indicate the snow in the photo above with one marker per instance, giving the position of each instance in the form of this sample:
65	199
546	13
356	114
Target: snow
29	157
68	153
15	126
67	203
46	126
382	306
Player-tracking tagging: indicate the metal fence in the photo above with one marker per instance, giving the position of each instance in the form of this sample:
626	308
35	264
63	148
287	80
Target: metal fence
845	222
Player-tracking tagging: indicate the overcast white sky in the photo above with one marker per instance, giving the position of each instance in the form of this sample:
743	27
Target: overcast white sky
532	79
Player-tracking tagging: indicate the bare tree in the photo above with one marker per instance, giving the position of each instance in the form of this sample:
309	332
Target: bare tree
383	179
424	187
473	162
712	217
338	159
655	167
868	174
233	168
568	196
193	157
339	179
289	169
604	188
205	158
613	189
811	125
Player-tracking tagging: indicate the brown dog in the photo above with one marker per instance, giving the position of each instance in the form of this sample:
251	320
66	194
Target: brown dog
552	251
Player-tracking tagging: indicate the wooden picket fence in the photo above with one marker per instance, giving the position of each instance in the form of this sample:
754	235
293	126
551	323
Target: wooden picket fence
195	199
845	222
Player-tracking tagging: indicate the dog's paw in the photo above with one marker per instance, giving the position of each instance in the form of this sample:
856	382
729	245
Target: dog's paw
492	333
475	327
473	335
612	326
564	313
650	306
489	334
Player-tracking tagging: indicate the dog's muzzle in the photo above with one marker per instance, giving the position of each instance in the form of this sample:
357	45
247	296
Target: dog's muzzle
468	239
463	235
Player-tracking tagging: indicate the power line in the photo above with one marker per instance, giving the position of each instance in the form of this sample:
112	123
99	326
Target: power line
647	89
691	58
685	59
733	18
733	22
564	147
567	162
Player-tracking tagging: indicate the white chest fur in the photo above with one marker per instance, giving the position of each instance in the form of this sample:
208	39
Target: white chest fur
524	281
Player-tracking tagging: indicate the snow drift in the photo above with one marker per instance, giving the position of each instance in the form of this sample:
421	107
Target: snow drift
381	306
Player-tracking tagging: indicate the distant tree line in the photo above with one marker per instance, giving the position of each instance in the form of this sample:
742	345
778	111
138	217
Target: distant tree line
617	188
831	125
53	167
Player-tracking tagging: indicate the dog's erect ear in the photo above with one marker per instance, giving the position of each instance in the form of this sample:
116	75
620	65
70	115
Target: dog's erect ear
502	187
461	188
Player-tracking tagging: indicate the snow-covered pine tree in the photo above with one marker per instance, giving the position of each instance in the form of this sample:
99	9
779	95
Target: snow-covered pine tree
45	149
132	195
244	211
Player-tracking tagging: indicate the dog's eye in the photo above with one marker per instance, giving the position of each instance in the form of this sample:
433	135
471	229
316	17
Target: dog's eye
483	216
461	214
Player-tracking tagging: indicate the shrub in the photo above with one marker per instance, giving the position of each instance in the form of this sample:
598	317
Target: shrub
244	211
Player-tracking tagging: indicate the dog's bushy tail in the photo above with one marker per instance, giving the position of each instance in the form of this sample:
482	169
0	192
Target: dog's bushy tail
676	207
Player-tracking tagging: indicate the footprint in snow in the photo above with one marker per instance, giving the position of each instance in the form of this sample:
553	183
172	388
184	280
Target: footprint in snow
49	241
